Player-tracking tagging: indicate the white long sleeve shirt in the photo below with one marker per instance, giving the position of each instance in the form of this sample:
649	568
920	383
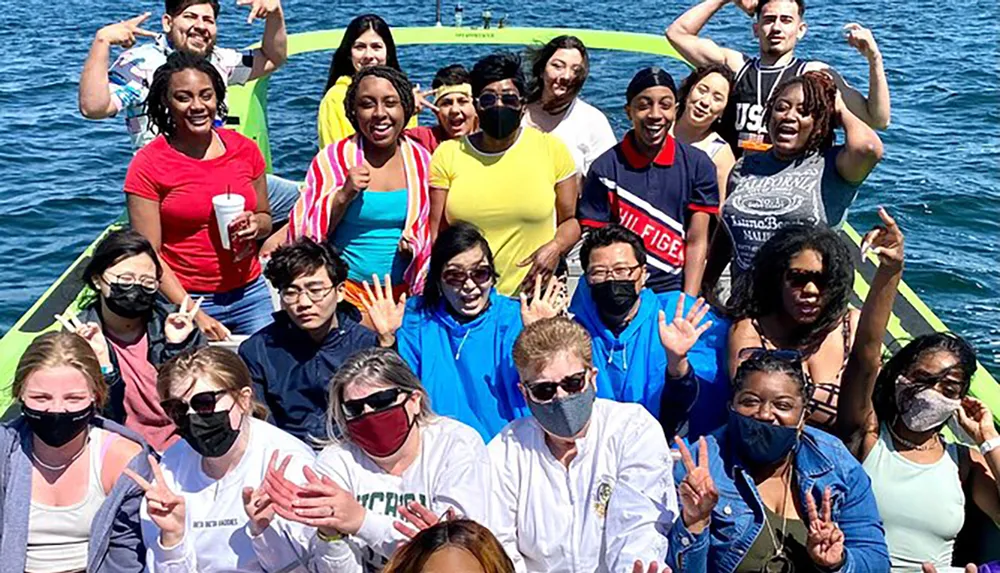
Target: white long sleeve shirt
452	470
217	533
612	505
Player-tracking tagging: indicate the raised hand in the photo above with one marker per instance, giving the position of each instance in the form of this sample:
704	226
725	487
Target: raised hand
320	503
124	33
260	8
420	98
552	302
748	6
825	541
165	508
180	324
654	567
420	517
385	313
976	419
257	503
358	178
862	40
697	493
543	263
885	241
213	329
681	334
91	332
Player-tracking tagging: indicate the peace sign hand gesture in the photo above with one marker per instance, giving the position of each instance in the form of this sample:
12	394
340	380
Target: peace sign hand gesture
825	543
124	33
551	303
886	241
385	313
697	491
91	332
165	508
180	324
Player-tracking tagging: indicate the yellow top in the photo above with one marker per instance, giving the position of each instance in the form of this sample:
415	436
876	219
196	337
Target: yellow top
510	196
332	122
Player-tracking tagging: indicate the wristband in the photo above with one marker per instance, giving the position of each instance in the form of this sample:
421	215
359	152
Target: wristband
989	445
329	538
105	370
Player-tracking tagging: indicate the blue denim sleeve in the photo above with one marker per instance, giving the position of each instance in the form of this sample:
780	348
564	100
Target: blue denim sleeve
864	536
686	551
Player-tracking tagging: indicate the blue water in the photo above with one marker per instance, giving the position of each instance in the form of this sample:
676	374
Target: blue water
62	175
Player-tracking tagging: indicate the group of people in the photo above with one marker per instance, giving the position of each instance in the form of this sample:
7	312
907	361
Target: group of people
434	393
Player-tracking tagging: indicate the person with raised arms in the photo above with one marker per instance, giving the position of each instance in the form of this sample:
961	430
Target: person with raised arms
778	26
456	114
64	504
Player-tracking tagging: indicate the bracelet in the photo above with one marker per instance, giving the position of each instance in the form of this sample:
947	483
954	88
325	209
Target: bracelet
989	445
105	370
329	538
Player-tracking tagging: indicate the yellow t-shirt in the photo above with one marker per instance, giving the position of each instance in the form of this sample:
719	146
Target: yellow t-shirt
510	196
332	122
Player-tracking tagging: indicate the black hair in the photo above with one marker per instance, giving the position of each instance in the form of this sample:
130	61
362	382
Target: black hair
610	235
758	293
341	64
458	238
497	67
303	257
114	248
157	106
725	124
884	396
175	7
398	80
819	100
762	3
773	362
452	75
539	57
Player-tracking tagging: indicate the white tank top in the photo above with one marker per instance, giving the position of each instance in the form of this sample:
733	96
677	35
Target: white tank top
58	536
922	505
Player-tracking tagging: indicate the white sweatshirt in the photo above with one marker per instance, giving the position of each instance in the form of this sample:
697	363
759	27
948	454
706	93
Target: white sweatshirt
613	505
217	534
451	471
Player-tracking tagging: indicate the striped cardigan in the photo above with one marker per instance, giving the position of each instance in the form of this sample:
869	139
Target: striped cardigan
327	176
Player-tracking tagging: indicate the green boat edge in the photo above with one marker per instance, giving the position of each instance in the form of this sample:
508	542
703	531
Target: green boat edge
248	114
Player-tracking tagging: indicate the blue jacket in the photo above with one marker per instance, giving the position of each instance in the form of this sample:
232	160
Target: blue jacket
821	461
291	373
115	536
467	369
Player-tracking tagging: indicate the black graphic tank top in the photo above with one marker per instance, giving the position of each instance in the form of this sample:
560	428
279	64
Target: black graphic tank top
754	86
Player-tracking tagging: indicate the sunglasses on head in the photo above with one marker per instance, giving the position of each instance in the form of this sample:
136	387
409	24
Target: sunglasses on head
457	277
780	354
490	99
201	403
545	391
378	401
799	279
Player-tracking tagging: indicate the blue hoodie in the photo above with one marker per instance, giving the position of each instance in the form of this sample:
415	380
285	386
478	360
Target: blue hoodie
467	369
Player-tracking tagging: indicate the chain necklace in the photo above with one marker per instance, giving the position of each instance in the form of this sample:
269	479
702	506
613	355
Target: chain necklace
779	562
907	443
60	468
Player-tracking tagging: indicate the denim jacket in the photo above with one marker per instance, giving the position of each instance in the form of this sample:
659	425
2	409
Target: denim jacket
821	461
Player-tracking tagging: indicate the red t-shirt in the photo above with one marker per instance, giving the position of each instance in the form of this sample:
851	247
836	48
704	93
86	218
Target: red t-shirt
184	187
429	137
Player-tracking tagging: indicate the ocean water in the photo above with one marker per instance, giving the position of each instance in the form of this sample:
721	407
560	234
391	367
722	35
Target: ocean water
61	175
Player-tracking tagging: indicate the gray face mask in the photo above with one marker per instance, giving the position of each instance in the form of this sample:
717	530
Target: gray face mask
566	417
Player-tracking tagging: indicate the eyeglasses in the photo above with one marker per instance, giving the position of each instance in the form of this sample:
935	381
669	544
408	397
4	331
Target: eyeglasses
545	391
799	279
291	294
457	277
601	274
377	401
757	353
202	403
490	99
129	280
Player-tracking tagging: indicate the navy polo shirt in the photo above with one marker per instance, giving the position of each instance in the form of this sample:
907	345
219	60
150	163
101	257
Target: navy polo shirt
653	198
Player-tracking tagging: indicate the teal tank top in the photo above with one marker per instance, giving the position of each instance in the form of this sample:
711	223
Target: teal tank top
367	236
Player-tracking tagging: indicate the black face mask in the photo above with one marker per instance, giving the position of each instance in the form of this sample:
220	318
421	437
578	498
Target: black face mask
499	121
211	435
614	300
56	429
129	303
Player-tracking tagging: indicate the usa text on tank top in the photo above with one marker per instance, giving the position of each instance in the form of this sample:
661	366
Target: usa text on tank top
755	84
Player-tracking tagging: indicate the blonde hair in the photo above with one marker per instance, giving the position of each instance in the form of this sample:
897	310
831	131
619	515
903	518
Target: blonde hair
541	341
224	368
56	349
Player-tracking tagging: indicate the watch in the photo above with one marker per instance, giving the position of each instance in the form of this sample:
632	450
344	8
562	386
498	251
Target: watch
989	445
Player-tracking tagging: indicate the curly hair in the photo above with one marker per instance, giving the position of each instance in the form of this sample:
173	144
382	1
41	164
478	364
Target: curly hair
758	293
773	362
725	124
819	100
157	106
399	81
884	396
539	57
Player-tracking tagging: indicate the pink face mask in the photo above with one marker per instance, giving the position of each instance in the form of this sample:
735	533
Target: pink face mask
924	410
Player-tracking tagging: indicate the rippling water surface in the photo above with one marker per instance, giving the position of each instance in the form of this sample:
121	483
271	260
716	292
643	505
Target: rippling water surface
62	175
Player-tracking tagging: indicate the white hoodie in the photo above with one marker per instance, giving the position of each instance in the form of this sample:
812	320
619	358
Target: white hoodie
452	470
217	534
613	505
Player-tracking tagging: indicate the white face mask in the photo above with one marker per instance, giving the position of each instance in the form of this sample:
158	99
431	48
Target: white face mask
925	410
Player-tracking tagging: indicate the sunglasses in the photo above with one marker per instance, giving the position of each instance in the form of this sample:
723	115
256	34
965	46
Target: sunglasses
202	403
545	391
490	99
784	355
457	277
799	279
377	402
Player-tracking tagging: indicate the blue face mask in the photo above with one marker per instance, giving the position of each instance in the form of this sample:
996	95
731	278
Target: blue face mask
760	444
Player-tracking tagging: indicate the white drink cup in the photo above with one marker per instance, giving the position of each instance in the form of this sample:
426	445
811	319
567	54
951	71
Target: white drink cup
227	206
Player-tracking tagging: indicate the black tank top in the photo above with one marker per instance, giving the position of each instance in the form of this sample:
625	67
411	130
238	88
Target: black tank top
754	86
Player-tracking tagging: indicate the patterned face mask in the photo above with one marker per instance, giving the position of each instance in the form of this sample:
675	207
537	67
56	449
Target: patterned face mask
923	410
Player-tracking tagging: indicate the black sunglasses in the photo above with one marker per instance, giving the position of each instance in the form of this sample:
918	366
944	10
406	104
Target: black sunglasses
377	402
202	403
457	277
545	391
780	354
799	279
490	99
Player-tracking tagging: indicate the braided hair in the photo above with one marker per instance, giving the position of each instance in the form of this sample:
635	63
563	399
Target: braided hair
157	108
399	81
819	100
